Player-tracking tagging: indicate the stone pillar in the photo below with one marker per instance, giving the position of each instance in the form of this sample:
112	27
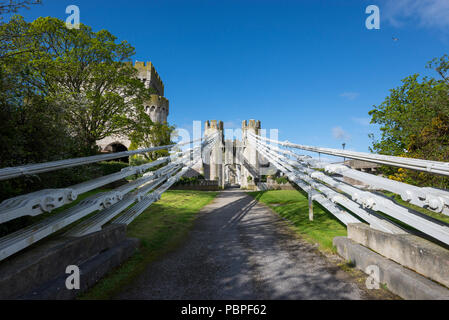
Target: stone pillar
250	161
213	164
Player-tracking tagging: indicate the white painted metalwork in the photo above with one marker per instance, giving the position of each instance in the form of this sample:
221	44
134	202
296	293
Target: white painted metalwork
375	220
436	167
30	169
96	222
108	204
430	198
340	214
46	200
367	200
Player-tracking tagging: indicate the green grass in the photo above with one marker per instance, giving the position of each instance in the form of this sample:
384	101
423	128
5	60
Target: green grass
294	206
161	228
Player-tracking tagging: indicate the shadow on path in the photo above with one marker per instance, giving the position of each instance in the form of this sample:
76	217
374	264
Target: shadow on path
239	249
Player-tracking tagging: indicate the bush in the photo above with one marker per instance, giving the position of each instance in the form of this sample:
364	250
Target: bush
138	160
187	180
281	180
108	167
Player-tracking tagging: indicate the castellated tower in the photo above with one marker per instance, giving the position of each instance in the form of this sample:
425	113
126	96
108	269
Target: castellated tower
250	169
156	107
213	162
232	162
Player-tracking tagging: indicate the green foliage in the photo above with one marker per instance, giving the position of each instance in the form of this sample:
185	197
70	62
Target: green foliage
281	180
249	179
149	134
189	180
137	160
32	132
108	167
13	6
85	75
61	90
414	122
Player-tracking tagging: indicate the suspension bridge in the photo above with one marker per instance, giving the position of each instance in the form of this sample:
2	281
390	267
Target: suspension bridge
374	221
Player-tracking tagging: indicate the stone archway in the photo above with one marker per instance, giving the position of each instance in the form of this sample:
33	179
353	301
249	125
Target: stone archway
117	147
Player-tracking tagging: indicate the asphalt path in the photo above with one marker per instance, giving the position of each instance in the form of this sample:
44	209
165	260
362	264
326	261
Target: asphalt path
240	249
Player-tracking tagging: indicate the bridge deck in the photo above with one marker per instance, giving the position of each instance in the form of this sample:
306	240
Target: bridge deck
239	249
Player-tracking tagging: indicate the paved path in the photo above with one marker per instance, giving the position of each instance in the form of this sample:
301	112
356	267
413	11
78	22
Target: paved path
239	249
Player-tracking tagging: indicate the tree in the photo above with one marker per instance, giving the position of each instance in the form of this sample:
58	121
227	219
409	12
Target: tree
87	74
32	129
12	6
149	134
61	90
7	35
414	121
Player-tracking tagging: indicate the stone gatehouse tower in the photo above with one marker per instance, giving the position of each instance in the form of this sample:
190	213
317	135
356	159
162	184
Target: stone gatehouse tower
232	162
157	107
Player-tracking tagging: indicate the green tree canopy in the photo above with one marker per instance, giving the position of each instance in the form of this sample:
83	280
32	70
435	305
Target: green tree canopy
63	89
414	119
87	74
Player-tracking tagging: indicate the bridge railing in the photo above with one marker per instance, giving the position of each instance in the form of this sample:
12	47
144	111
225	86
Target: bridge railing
348	202
436	167
436	200
106	206
35	168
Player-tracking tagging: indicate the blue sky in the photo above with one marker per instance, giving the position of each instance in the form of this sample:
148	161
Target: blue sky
308	68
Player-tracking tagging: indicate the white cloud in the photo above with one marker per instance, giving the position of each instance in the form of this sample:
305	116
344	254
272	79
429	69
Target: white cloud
424	13
349	95
362	121
339	134
232	124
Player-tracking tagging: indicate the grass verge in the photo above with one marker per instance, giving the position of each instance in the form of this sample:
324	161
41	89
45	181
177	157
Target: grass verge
161	228
294	206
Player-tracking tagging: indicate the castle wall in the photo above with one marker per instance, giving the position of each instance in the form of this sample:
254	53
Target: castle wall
213	162
114	139
157	107
147	73
250	159
232	161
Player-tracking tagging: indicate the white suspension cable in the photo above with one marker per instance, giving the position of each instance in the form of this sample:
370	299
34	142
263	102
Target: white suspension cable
436	167
425	224
30	169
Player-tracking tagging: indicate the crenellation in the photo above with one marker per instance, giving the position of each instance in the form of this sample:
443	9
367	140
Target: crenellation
233	161
148	72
